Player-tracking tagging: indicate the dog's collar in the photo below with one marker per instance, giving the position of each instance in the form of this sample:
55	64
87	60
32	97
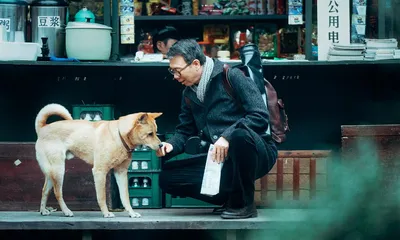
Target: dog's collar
128	149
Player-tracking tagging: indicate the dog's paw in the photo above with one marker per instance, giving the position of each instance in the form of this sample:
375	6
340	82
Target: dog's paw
108	215
68	213
133	214
45	212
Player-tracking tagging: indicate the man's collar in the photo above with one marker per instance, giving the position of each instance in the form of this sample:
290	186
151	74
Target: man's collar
218	67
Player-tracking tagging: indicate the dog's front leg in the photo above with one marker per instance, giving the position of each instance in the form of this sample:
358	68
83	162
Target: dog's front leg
100	178
121	176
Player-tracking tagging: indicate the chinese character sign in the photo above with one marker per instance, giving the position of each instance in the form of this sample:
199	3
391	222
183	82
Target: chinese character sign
333	25
6	22
49	21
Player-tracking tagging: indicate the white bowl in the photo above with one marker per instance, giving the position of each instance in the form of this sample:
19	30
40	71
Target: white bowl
19	51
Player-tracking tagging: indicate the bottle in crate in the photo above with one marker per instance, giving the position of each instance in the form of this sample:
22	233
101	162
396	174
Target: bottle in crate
144	159
144	191
93	112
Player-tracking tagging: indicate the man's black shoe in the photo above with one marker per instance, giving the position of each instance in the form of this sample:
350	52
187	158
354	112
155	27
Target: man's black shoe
249	211
219	210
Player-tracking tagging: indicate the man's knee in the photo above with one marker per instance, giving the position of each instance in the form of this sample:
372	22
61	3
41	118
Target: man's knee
241	146
239	137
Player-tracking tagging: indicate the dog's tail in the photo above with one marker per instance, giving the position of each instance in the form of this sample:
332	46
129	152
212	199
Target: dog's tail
49	110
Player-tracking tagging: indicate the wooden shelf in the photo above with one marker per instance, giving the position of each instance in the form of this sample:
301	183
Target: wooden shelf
4	64
239	18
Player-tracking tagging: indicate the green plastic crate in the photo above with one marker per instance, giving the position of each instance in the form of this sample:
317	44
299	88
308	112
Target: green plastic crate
185	202
144	160
92	111
142	196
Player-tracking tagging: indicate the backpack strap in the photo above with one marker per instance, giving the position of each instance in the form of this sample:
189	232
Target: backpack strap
226	83
228	86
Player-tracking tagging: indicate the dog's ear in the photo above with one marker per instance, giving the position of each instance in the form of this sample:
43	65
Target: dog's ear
155	115
126	124
142	118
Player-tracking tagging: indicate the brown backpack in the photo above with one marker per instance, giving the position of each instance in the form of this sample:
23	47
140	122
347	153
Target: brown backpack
277	114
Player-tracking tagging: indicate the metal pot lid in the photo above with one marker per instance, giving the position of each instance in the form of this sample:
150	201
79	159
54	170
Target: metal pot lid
86	25
56	3
18	2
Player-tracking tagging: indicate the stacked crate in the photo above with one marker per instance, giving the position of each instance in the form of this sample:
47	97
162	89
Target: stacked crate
143	176
93	112
179	201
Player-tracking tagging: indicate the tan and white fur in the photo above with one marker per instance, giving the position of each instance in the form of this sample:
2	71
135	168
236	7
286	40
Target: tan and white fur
100	144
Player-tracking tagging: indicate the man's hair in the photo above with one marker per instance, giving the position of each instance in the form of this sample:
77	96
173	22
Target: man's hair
189	49
164	35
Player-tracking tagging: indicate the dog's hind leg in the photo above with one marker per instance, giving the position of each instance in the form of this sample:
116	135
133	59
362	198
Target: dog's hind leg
48	185
57	177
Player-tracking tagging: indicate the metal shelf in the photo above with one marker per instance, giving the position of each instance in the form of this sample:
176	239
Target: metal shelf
213	18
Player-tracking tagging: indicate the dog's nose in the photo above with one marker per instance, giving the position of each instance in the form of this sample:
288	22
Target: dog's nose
160	145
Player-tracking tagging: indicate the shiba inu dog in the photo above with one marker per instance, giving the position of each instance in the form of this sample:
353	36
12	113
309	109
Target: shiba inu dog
105	145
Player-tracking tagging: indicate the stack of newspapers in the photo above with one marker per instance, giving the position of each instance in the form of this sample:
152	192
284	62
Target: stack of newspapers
381	49
346	52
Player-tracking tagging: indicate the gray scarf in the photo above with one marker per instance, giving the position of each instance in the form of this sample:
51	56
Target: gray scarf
200	90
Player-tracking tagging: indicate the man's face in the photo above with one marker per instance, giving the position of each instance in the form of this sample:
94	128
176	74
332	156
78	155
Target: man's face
163	48
185	73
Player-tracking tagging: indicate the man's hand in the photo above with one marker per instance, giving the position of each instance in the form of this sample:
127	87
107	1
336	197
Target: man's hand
164	149
220	151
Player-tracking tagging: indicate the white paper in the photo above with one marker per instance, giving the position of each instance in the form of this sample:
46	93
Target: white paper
212	175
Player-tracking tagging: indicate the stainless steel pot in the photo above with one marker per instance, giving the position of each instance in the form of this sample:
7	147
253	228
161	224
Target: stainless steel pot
13	17
49	20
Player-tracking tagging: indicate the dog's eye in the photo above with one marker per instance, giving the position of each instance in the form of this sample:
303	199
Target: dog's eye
150	134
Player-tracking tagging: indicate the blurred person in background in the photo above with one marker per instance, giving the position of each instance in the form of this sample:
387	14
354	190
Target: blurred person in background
164	38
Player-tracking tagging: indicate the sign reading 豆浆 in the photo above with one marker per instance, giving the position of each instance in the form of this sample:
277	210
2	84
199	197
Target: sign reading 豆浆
6	22
49	21
333	25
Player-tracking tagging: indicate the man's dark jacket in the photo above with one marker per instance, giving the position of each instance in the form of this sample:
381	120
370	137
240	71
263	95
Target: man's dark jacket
219	114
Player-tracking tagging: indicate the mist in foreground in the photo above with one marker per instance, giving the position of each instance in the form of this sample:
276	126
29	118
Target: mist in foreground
354	205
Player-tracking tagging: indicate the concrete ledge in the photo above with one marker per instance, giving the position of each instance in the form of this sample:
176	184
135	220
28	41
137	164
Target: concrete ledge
153	219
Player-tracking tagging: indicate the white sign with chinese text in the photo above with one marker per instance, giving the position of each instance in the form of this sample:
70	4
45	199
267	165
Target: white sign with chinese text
6	22
49	21
333	25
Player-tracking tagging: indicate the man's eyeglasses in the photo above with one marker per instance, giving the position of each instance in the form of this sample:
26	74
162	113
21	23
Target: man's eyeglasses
178	72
